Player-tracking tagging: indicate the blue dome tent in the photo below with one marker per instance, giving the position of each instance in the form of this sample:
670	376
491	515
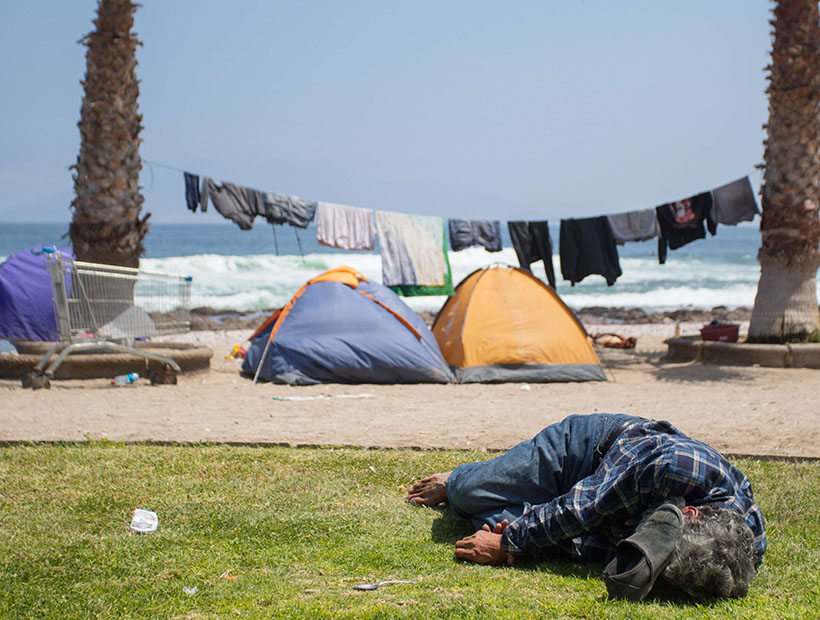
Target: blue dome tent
342	328
26	304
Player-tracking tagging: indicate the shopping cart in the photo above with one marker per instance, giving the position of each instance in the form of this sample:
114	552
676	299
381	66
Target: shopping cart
110	307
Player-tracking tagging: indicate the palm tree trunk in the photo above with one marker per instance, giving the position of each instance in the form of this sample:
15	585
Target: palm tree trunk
106	226
786	302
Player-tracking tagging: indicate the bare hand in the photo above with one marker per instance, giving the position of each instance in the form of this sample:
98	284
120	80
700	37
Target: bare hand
483	547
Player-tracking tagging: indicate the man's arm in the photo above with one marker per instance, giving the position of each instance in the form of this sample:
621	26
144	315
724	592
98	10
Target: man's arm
605	499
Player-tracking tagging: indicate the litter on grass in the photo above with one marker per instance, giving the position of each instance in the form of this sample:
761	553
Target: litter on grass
144	521
375	586
190	591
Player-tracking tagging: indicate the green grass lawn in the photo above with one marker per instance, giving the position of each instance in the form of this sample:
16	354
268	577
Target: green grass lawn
281	532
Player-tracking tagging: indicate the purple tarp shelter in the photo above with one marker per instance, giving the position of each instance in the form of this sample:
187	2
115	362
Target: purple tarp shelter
26	305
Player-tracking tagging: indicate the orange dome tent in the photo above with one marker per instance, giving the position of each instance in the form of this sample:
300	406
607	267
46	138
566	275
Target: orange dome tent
505	325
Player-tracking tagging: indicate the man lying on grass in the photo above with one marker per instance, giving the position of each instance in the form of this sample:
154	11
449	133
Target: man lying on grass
633	492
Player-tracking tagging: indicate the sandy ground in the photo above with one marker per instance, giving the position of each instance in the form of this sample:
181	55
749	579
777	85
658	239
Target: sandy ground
738	410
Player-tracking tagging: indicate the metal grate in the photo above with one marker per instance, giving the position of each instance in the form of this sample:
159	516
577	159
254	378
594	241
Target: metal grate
118	303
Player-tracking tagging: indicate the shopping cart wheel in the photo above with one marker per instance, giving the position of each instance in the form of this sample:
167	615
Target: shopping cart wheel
163	375
35	381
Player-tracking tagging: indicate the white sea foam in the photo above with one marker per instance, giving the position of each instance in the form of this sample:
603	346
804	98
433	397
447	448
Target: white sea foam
261	281
667	298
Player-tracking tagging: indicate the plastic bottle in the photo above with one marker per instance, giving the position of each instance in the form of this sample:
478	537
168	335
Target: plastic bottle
119	380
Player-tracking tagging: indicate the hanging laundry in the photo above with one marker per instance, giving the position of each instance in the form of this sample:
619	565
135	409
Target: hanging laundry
681	222
734	203
532	242
587	247
345	227
448	289
634	225
466	233
236	203
191	190
204	192
283	209
411	249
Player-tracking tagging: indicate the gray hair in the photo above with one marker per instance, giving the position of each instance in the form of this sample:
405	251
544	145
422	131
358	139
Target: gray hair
715	556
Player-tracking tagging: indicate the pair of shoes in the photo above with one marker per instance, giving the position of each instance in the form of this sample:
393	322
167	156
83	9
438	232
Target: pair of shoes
641	558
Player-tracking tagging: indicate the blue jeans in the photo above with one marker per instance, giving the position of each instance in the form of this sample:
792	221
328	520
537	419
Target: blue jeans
535	471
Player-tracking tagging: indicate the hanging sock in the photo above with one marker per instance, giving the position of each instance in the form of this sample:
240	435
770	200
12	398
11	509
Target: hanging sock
532	242
587	247
204	193
466	233
191	190
345	227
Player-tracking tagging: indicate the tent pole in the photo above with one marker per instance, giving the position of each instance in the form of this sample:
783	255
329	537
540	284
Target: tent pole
261	360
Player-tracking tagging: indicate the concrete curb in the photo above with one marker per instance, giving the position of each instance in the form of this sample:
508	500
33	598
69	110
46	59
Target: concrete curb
97	365
743	354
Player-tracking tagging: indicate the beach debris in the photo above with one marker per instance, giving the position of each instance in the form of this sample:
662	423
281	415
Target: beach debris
190	591
35	381
323	397
375	586
163	375
237	351
526	387
614	341
144	521
128	379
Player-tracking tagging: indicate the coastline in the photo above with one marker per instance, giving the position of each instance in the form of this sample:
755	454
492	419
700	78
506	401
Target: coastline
210	319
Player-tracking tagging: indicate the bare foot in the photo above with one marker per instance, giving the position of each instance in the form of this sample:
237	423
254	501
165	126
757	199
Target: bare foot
429	491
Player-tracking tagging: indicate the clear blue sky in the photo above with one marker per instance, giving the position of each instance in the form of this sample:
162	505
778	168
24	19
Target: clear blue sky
516	110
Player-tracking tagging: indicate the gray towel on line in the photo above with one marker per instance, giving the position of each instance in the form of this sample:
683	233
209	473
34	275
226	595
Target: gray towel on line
734	203
634	225
411	248
344	227
236	203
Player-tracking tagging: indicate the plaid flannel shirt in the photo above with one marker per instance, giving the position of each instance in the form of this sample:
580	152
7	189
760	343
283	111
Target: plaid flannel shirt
648	463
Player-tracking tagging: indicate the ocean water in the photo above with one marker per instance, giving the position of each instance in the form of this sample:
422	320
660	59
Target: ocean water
242	270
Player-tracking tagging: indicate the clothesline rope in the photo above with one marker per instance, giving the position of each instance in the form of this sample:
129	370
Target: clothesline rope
180	170
410	252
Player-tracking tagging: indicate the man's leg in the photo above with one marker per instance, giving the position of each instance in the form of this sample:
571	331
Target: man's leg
533	472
